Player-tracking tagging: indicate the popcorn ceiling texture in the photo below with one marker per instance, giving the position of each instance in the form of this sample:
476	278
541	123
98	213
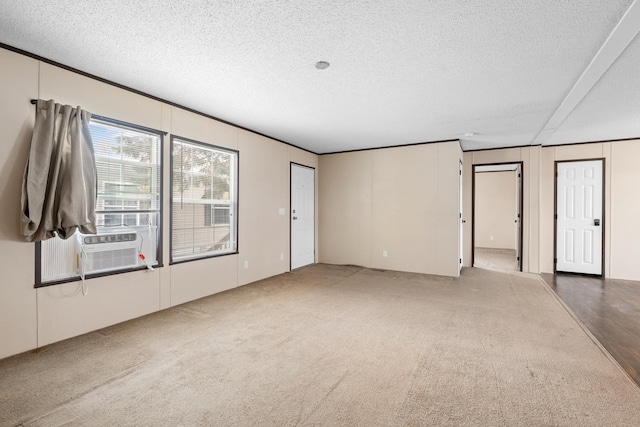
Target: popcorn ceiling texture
401	72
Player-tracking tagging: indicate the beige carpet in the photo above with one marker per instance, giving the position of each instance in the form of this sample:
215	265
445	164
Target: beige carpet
330	345
496	259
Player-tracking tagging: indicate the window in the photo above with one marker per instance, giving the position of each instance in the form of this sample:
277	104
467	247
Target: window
204	194
128	161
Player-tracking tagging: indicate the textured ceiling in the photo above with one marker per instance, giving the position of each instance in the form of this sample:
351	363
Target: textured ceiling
401	72
612	109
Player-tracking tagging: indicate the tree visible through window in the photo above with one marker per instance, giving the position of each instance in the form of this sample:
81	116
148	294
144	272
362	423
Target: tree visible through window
128	187
203	200
128	198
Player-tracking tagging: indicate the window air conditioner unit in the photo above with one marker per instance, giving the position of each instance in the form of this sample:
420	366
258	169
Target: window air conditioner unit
99	253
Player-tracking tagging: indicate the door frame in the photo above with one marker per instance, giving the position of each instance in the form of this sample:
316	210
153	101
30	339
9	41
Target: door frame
520	204
461	220
315	219
555	214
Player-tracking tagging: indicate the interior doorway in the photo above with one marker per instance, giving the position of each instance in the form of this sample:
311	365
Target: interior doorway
496	229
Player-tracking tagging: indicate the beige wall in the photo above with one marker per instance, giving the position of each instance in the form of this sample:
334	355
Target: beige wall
496	209
30	318
401	200
18	312
530	157
345	216
622	203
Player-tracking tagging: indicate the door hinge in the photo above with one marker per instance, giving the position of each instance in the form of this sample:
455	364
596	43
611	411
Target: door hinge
555	260
555	216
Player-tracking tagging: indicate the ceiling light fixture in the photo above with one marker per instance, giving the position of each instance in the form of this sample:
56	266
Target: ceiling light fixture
469	134
322	65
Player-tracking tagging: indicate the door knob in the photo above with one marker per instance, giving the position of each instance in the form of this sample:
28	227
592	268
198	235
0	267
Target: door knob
596	222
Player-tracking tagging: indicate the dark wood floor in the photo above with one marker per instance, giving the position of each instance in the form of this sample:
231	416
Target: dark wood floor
610	309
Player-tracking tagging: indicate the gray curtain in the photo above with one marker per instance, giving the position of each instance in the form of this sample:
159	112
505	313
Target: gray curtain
59	184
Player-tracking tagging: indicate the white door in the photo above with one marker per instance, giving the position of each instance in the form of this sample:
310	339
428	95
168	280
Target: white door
302	216
460	232
579	217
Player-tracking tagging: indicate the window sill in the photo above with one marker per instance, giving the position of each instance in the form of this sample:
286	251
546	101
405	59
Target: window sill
182	261
92	276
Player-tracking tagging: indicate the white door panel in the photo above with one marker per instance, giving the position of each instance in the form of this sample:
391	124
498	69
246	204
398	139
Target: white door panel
302	216
579	217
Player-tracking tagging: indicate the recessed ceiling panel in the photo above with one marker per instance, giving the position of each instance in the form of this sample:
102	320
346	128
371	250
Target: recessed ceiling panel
612	109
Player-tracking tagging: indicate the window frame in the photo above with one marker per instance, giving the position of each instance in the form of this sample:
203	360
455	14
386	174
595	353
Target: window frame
236	205
159	246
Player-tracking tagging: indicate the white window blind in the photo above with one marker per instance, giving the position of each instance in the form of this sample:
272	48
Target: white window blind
128	162
204	183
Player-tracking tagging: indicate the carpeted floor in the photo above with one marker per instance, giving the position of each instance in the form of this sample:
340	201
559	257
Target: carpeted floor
496	259
330	345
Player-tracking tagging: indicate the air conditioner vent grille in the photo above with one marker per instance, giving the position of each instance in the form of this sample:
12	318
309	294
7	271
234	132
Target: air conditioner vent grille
110	260
109	238
107	252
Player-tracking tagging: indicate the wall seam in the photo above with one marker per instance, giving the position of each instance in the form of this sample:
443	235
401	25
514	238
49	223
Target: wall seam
438	213
608	188
36	291
538	269
162	150
371	242
530	231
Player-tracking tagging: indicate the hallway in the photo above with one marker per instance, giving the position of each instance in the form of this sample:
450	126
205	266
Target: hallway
496	259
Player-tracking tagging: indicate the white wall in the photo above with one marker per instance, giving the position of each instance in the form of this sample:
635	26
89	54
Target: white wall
400	200
496	209
35	317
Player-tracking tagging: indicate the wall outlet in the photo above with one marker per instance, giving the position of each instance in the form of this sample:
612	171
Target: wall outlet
246	265
281	257
384	253
491	238
281	211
